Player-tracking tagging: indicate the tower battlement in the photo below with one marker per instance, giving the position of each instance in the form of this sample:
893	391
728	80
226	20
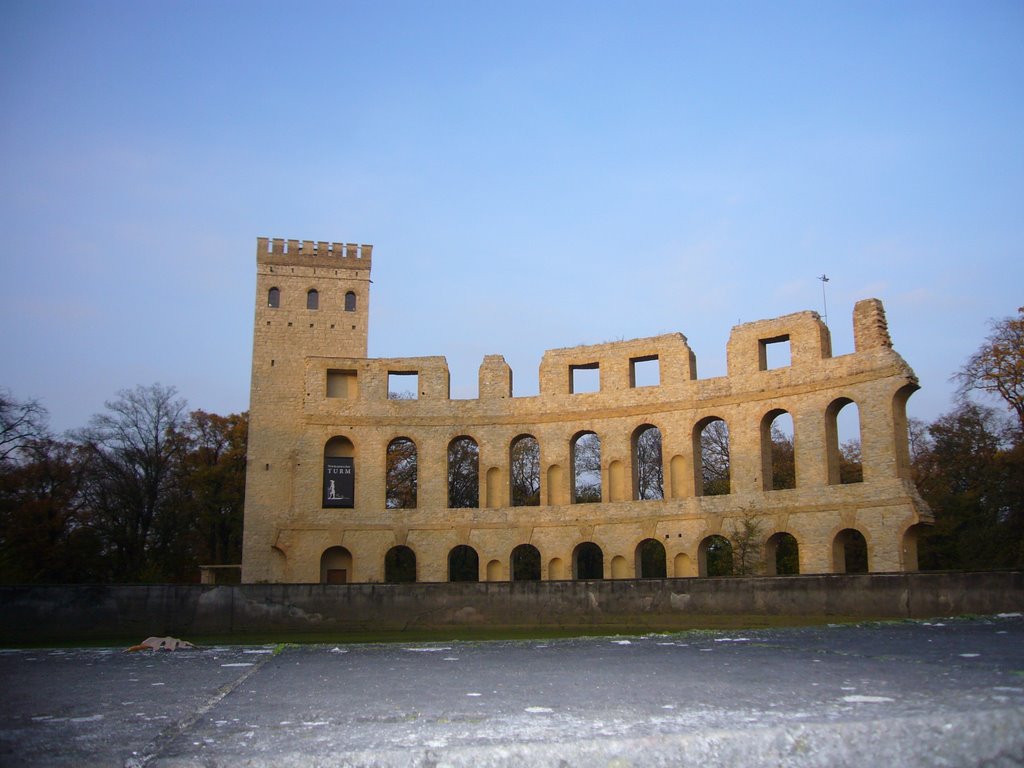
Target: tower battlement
315	252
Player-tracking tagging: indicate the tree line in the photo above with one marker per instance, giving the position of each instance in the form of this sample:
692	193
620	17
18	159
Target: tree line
148	490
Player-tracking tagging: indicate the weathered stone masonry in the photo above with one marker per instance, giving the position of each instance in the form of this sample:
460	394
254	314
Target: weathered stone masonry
315	393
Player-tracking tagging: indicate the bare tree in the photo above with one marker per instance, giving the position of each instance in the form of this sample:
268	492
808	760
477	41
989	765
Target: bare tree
650	475
132	450
997	368
463	473
525	469
851	469
587	468
714	453
21	423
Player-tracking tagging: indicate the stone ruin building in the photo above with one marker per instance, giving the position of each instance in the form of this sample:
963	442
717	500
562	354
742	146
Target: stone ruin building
348	484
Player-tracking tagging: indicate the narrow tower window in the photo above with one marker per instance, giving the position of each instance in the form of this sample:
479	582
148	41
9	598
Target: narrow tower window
274	298
350	302
313	299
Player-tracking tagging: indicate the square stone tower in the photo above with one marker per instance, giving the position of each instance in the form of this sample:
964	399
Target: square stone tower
312	300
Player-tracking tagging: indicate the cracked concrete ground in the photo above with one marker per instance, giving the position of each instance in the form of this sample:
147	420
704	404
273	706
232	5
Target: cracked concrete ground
947	692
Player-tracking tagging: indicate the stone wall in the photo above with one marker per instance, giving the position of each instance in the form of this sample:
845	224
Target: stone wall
287	611
314	389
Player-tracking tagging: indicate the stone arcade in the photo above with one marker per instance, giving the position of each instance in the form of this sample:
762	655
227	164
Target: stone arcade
322	426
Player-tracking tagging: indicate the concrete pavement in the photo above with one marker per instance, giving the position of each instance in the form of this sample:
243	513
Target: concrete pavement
943	692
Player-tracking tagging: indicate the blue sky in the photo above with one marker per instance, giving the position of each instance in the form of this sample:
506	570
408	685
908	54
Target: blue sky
531	175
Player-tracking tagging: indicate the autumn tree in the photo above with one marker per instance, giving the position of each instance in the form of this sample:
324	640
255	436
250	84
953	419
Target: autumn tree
783	460
971	472
997	368
212	487
43	532
401	470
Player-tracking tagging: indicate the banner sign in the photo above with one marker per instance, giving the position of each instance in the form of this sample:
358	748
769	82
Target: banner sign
339	482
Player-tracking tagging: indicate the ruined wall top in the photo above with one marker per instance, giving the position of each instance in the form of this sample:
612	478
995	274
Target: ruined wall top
870	328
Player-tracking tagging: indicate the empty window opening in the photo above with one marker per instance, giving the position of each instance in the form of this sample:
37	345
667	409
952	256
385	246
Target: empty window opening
850	552
714	556
778	451
403	385
400	566
644	371
400	474
782	555
524	564
313	299
586	463
463	564
650	560
842	442
584	378
648	470
274	298
335	566
587	561
712	457
524	472
463	473
350	302
774	353
341	383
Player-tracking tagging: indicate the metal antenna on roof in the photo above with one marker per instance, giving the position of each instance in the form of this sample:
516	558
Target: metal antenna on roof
824	279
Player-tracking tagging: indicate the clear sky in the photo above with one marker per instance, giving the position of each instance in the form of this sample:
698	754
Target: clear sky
531	175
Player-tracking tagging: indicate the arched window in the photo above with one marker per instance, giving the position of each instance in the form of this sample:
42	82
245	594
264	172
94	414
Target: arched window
339	473
524	563
711	457
400	566
648	472
782	555
849	552
586	467
463	564
714	556
350	302
524	471
274	298
463	473
312	299
587	561
650	560
778	451
842	442
400	478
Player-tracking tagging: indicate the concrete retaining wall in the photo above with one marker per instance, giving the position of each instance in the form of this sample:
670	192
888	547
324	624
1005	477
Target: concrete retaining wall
34	614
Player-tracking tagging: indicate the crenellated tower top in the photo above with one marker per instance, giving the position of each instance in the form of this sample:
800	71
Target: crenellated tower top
313	253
